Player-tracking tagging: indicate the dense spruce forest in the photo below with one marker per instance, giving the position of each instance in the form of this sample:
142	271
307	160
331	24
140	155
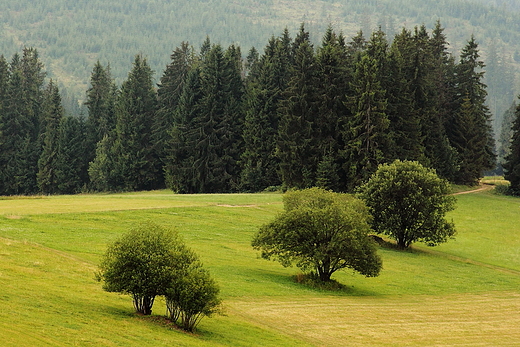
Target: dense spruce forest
294	115
72	35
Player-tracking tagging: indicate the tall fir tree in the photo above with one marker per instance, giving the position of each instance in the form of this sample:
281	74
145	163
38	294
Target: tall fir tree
512	160
505	137
474	142
366	136
13	132
405	96
169	92
333	88
179	167
266	81
217	148
137	165
442	156
21	143
100	102
31	100
52	114
296	148
71	173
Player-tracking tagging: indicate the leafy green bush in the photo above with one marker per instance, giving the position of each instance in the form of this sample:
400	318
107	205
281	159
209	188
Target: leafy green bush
144	263
192	297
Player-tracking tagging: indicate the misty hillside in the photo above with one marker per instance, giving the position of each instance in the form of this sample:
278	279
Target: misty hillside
71	35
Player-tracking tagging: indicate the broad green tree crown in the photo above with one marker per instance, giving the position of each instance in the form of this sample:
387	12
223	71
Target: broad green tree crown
408	202
321	232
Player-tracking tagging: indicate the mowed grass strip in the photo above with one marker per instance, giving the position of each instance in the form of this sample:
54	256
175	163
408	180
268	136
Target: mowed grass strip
486	319
16	207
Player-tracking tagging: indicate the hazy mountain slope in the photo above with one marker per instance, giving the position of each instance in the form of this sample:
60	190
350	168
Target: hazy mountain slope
72	34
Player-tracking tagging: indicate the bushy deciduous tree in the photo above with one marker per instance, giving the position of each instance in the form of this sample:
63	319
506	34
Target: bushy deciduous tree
409	203
192	297
144	263
321	232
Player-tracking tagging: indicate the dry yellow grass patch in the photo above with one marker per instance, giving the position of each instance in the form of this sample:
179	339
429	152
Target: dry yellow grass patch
487	319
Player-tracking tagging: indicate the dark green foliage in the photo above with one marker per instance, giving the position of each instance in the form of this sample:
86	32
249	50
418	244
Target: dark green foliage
72	168
23	127
4	120
192	296
294	117
365	135
101	98
266	81
144	263
408	202
136	162
321	232
179	167
334	74
296	148
512	160
506	135
470	130
406	98
52	115
207	126
168	96
101	171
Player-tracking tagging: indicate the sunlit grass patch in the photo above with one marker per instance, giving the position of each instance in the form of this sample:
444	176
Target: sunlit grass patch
463	291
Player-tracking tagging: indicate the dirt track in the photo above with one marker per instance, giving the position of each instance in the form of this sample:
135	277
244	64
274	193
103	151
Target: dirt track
482	188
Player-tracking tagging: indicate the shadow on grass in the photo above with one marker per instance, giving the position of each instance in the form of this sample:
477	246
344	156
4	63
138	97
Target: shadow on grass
313	282
392	246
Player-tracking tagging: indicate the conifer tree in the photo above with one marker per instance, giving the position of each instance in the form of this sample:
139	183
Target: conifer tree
506	135
169	92
183	136
365	135
52	114
442	156
218	124
136	165
296	148
12	130
101	170
474	142
101	97
21	144
266	81
404	98
4	120
71	173
333	88
512	161
31	98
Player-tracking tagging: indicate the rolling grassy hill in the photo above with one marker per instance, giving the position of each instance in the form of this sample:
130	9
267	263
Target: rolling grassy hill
465	292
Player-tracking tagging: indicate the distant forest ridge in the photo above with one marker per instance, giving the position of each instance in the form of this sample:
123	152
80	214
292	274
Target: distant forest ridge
72	35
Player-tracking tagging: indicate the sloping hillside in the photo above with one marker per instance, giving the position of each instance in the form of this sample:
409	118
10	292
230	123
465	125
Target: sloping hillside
72	35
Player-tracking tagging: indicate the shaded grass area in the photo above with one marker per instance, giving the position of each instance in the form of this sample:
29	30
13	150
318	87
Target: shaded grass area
49	253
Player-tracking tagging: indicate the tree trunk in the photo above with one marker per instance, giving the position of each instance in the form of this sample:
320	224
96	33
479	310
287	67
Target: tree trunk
143	304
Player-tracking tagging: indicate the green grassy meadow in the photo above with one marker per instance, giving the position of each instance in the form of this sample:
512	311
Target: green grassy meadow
464	292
